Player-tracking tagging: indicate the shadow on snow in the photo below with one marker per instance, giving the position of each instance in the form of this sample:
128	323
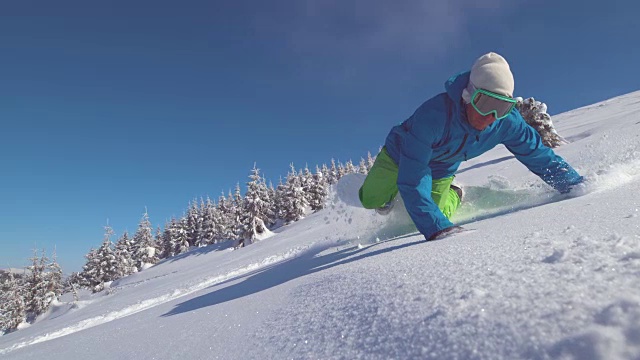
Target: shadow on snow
281	273
312	262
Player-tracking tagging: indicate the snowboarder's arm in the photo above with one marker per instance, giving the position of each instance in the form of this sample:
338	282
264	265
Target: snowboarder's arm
525	143
414	175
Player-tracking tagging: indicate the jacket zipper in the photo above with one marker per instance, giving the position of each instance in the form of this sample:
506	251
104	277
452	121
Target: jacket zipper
464	141
441	155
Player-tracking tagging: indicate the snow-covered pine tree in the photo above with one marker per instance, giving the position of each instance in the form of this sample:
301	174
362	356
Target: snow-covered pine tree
101	266
35	286
145	253
370	161
256	212
273	208
224	219
55	284
12	307
535	114
318	191
294	198
167	239
333	175
306	180
362	168
325	174
89	268
208	233
232	217
350	168
193	223
221	220
75	281
342	171
124	258
237	205
159	244
180	239
279	201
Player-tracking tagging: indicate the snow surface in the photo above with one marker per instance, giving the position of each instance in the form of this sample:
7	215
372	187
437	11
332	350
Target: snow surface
542	276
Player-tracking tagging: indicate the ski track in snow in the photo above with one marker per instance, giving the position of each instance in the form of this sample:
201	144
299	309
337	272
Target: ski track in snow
150	303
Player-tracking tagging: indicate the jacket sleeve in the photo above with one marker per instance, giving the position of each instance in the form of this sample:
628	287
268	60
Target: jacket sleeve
414	173
525	143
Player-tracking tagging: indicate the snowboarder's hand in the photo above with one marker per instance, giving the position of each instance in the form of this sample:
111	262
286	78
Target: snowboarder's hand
446	232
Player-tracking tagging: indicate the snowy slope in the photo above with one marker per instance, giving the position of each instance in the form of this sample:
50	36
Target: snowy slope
543	276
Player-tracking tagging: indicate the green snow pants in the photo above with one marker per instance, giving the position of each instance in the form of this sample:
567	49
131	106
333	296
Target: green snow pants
381	186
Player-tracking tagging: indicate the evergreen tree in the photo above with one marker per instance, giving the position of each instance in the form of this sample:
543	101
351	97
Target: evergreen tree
207	234
224	219
350	168
235	200
535	114
159	244
256	212
89	268
332	175
12	307
35	295
101	266
306	180
221	220
273	208
370	161
145	252
238	203
179	239
342	171
294	202
325	173
318	191
124	259
194	223
279	201
74	282
167	239
362	168
55	284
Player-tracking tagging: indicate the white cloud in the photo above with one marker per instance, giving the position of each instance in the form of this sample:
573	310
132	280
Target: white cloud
343	39
360	28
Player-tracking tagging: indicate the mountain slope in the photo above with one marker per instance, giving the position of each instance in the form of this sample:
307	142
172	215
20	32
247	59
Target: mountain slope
543	276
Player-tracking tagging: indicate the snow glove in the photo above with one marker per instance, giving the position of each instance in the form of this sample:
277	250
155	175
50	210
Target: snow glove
446	232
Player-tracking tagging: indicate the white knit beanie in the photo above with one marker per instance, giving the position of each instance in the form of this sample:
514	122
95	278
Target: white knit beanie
490	72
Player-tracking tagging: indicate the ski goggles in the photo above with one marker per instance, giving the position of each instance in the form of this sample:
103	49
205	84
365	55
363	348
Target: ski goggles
485	102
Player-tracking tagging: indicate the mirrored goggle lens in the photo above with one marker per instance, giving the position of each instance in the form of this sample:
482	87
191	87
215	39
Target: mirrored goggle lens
486	104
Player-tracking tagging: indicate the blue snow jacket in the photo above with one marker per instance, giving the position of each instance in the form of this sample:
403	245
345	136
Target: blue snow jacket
433	142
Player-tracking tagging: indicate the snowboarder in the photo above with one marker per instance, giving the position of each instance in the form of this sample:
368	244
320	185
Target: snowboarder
422	154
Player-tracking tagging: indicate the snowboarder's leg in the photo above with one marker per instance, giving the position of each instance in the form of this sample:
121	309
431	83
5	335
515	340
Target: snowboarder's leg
380	186
444	196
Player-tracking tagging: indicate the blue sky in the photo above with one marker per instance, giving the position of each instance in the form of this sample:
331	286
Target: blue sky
110	107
